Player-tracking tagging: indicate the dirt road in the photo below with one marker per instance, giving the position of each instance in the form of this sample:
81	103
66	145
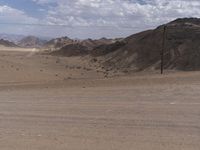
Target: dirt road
115	118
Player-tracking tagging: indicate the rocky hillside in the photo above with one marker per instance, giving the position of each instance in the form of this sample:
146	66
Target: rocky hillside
142	50
58	43
104	49
68	47
91	44
31	42
72	50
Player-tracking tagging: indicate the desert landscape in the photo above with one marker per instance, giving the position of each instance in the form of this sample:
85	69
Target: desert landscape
102	94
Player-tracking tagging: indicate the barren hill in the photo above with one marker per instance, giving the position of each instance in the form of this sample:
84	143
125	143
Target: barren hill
58	43
107	48
31	42
68	47
72	50
142	50
91	44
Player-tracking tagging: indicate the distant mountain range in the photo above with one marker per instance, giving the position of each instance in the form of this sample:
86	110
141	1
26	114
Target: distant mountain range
24	41
53	44
142	51
7	43
11	37
137	52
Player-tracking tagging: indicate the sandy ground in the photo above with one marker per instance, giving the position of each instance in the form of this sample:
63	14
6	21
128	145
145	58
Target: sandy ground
52	103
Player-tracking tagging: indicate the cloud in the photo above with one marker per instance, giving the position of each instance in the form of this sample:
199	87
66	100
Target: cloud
44	1
16	21
121	13
95	18
12	15
125	15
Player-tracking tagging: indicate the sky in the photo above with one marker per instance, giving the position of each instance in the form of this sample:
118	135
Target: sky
90	18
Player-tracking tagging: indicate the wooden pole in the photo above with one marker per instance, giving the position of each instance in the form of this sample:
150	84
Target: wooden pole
163	50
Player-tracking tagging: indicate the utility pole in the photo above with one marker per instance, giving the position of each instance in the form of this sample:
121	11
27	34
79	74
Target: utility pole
163	50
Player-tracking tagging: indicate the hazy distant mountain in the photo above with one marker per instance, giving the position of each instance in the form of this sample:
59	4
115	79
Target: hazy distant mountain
7	43
31	42
11	37
142	50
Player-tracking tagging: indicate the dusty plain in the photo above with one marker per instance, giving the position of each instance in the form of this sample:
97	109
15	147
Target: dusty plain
57	103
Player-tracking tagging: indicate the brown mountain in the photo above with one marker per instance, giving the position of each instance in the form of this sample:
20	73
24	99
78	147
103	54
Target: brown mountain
104	49
63	41
68	47
91	44
31	42
58	43
7	43
142	50
72	50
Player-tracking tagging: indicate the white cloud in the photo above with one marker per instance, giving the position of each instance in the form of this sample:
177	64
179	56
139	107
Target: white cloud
44	1
16	21
12	15
95	18
120	13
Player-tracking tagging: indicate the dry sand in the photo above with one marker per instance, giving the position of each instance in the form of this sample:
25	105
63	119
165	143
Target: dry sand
54	103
